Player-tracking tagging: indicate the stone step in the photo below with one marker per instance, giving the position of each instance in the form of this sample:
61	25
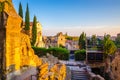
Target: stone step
79	79
79	75
78	72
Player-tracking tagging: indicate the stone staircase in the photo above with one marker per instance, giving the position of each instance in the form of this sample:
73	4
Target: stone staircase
79	75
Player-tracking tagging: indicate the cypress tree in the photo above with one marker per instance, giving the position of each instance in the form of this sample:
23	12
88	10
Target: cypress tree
20	12
34	31
81	42
27	20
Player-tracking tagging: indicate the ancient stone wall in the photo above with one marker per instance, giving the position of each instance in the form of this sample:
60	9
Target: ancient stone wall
19	52
18	48
116	67
12	38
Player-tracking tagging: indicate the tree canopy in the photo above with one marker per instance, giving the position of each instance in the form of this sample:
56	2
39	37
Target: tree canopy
82	40
94	40
117	41
109	46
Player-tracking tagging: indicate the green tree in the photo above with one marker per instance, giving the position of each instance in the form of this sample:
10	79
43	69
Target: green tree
20	12
80	55
27	20
82	40
34	31
109	49
117	41
94	40
109	46
3	18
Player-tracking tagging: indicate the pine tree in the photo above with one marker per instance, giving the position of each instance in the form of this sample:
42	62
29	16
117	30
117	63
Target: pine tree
27	21
34	31
20	12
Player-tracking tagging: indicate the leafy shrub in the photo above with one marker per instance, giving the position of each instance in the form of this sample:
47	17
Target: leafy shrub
40	51
80	55
61	53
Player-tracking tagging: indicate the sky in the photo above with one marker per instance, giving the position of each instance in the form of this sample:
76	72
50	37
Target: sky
75	16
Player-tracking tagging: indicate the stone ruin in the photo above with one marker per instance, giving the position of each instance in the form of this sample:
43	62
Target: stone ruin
116	67
52	69
18	51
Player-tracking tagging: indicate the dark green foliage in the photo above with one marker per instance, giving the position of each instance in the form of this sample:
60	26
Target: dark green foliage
94	40
82	40
107	76
118	45
61	46
109	46
99	42
34	31
27	19
80	55
40	51
117	42
20	12
61	53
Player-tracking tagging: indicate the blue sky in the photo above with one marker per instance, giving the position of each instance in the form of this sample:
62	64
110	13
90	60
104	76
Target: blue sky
74	16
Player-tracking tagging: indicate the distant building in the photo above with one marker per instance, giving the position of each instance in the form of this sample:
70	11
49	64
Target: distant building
113	38
55	41
60	38
50	41
71	45
118	35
